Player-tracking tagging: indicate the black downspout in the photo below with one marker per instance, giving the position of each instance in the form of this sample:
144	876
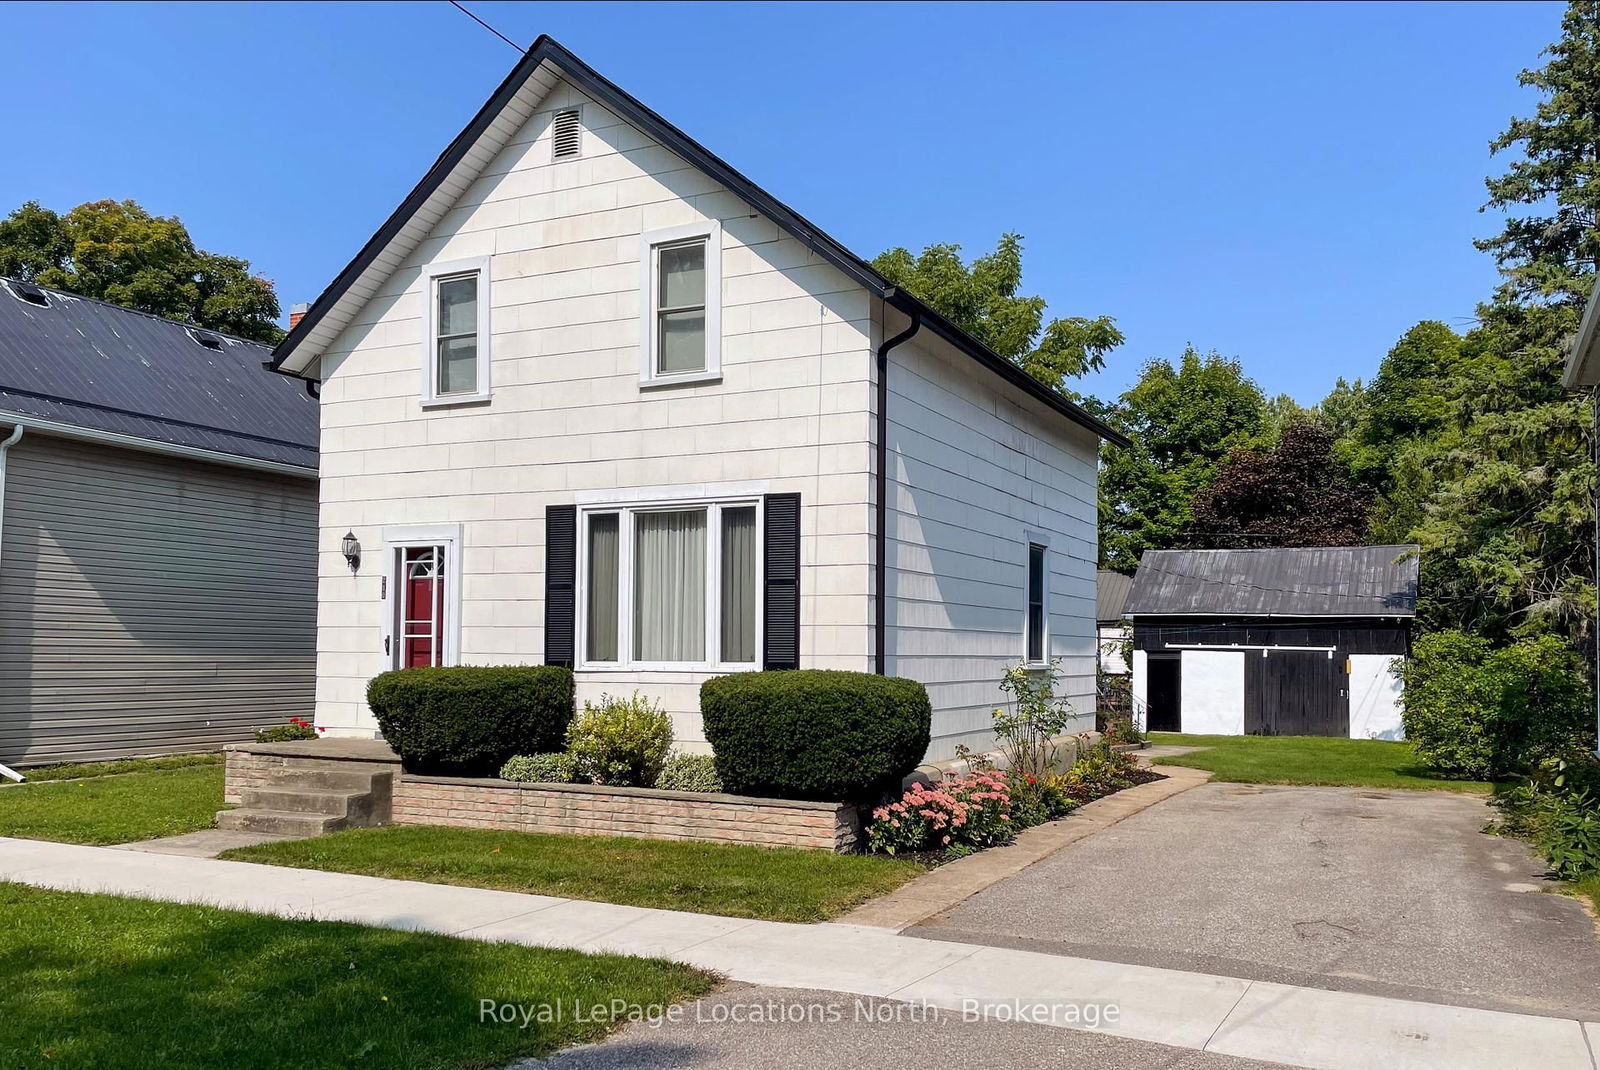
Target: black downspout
880	564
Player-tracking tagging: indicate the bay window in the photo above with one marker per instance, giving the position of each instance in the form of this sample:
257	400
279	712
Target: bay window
671	585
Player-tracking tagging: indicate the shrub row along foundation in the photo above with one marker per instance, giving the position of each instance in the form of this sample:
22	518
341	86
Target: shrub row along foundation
581	809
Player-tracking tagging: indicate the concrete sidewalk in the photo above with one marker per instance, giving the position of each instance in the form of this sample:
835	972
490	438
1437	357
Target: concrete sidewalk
1226	1015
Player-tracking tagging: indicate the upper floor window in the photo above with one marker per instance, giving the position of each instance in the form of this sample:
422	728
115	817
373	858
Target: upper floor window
681	327
456	332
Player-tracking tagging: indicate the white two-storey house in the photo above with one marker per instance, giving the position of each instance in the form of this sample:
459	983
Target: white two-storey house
591	397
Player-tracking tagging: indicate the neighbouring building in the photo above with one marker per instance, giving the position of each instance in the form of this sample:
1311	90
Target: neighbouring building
1111	623
1288	642
591	397
158	503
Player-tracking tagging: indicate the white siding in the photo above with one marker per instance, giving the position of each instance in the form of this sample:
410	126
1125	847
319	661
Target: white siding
1375	691
974	468
568	416
1211	698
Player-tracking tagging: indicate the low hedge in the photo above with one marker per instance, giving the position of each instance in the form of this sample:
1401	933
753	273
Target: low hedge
814	733
467	720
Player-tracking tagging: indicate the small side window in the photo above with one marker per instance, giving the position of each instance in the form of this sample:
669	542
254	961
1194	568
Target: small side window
1038	622
455	365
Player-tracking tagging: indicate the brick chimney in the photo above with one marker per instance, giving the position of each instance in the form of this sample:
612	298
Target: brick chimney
297	312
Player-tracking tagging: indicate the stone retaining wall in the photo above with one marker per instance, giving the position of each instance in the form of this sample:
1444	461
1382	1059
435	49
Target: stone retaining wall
583	809
586	809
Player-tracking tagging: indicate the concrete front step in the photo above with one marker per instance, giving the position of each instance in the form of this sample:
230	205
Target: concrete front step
306	801
285	822
319	778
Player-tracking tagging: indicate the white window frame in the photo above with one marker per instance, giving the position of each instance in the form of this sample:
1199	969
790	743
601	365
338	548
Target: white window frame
1041	540
627	551
650	294
431	276
396	539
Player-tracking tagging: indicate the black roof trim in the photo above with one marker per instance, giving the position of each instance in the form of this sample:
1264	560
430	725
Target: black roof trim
813	237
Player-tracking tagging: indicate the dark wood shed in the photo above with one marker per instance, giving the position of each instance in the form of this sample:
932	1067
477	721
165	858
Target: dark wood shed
1289	641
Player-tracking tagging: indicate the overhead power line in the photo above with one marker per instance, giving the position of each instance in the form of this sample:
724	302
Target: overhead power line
463	9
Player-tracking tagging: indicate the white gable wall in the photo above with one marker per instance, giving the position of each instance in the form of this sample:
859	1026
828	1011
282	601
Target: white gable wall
976	472
568	417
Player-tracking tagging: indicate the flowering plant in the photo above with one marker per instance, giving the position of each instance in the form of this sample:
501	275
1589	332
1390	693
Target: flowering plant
297	728
972	811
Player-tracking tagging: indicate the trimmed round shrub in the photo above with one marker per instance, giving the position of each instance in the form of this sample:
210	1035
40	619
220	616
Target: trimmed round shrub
622	742
690	772
467	720
815	733
540	769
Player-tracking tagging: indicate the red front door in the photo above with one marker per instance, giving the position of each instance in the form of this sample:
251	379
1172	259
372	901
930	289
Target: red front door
421	606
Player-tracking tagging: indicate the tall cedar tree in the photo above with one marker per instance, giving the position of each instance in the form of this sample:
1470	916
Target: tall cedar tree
983	300
1182	421
116	251
1507	479
1295	494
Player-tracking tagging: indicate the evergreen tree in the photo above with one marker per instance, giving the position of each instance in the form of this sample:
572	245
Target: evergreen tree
1507	477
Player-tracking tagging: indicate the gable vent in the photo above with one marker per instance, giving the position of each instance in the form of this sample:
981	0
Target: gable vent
27	291
209	341
566	137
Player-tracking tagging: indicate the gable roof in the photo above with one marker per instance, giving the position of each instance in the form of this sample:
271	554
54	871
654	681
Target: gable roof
1316	581
120	374
1110	595
498	120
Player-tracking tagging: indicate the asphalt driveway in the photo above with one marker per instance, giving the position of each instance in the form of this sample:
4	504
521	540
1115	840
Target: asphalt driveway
1394	893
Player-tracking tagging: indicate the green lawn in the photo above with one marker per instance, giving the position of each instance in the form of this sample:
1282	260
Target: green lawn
93	980
124	765
156	801
780	884
1589	889
1367	763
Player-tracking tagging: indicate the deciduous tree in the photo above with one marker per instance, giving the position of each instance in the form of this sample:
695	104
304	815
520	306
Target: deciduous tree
982	299
1183	419
1295	494
116	251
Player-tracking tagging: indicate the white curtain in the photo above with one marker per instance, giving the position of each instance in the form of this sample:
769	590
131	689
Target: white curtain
669	598
602	604
739	585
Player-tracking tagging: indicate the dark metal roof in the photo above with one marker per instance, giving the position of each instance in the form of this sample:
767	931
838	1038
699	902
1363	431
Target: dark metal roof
1110	595
103	368
1318	581
547	49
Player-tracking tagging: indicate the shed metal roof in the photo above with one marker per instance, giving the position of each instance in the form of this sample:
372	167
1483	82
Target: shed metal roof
103	368
1316	581
1110	595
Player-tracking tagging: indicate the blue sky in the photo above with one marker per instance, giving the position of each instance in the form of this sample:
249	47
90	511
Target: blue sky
1293	184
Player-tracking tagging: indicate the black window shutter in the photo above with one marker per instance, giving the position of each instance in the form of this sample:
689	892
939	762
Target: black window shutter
560	584
781	603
